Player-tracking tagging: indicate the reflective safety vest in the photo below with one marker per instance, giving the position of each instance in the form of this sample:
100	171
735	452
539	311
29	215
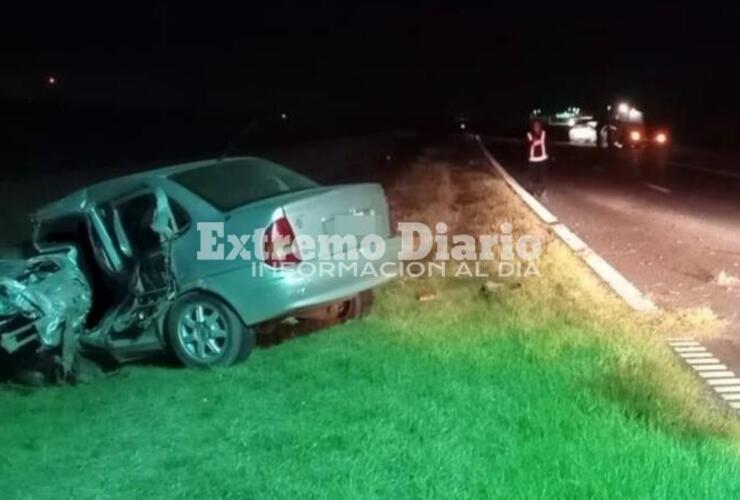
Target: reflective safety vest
537	150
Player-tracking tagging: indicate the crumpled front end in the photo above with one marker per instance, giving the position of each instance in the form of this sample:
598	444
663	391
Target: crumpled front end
44	302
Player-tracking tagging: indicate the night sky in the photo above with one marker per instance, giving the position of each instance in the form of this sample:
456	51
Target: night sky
678	62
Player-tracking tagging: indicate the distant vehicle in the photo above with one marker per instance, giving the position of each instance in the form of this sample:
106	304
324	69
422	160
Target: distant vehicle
583	131
568	118
622	126
625	127
570	125
117	272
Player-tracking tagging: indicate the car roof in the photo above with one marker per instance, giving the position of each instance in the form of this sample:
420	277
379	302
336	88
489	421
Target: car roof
109	189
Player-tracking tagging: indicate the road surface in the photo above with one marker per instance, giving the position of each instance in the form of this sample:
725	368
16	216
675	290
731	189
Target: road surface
673	230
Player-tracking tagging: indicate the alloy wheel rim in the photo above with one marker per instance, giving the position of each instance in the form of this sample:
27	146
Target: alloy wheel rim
202	332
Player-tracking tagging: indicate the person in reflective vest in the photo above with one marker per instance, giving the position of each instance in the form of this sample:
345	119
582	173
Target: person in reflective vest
537	158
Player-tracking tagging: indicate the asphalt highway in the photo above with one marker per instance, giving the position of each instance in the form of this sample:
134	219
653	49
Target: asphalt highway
669	223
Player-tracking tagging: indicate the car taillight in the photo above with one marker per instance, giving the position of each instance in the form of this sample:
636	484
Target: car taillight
635	135
661	138
280	248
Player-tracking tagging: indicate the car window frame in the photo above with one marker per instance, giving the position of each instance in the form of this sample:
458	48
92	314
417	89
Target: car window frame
116	204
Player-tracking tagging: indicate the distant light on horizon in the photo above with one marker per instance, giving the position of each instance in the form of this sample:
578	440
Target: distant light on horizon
51	80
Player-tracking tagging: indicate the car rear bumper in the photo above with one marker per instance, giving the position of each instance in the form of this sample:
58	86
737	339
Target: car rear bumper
258	293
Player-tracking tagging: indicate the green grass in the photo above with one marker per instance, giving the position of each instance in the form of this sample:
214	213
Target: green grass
547	388
472	395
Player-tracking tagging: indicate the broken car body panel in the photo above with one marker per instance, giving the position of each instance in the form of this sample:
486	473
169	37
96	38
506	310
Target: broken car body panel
45	298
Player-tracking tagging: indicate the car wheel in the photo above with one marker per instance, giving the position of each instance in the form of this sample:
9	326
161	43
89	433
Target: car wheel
204	332
359	306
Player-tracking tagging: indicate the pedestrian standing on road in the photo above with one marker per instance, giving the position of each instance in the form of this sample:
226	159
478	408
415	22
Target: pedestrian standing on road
538	159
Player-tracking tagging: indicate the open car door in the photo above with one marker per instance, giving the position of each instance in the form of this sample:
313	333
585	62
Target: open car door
132	236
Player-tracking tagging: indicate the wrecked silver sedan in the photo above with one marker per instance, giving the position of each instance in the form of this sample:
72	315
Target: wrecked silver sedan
118	269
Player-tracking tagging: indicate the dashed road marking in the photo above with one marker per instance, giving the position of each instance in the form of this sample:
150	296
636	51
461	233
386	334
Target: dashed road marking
701	361
717	374
689	349
727	389
689	355
724	382
714	367
684	343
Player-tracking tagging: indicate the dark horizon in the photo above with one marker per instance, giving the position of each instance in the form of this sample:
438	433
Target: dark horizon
371	62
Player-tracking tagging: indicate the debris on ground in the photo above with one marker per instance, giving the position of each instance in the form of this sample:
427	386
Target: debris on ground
491	286
427	295
726	280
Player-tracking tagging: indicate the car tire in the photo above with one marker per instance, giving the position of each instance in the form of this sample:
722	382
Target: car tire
360	306
203	332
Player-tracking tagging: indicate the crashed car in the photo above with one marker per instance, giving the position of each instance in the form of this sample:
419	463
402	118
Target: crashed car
118	267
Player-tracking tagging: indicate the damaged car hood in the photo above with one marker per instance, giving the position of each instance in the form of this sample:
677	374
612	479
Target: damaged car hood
43	298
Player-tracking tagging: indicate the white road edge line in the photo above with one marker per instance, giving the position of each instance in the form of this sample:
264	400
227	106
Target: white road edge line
616	281
660	189
691	351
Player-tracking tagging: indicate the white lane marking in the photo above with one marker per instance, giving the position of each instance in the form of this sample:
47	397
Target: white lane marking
714	367
727	389
724	381
570	238
702	361
661	189
621	285
689	355
704	169
731	397
719	374
684	343
537	207
625	289
690	349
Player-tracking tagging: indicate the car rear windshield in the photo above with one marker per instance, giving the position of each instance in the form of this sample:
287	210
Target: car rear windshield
230	184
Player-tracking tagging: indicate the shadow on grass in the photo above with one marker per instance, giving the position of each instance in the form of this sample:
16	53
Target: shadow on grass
27	370
642	398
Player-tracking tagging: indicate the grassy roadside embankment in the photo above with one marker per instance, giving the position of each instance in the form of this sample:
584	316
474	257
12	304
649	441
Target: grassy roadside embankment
536	388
